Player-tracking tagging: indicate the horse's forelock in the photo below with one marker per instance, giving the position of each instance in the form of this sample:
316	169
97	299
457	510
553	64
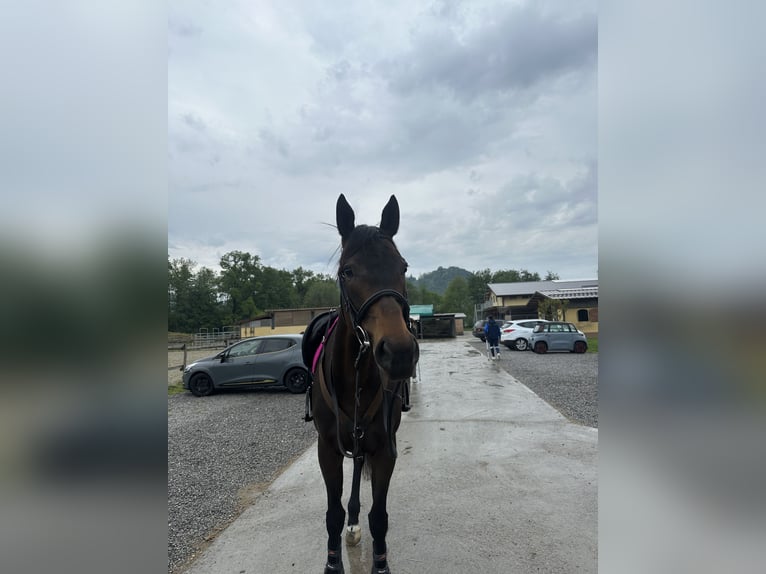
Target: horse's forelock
361	238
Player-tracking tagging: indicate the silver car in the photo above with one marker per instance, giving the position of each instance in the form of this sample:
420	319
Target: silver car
516	334
269	360
558	336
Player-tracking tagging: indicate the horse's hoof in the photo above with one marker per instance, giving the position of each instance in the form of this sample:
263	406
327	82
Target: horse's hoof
380	565
336	568
353	534
334	564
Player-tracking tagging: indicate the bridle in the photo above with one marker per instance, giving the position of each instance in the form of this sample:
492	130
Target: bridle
357	315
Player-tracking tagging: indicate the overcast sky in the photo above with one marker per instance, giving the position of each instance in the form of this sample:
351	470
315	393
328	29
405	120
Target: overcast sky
480	116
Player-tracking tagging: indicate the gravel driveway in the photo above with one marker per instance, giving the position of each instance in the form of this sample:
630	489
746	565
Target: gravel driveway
566	381
224	449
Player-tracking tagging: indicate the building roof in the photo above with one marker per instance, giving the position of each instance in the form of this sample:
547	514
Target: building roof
573	293
529	288
421	310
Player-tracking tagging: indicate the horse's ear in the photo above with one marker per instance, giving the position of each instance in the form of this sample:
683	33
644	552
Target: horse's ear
344	217
389	222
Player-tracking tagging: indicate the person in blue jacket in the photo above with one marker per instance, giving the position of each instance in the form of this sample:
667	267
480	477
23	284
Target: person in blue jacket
492	333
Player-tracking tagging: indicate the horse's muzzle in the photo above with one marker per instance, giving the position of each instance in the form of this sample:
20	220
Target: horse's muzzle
397	356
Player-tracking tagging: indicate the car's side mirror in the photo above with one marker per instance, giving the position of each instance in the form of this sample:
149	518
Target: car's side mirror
223	357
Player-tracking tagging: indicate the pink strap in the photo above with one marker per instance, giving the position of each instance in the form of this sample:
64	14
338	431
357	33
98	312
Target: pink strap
320	348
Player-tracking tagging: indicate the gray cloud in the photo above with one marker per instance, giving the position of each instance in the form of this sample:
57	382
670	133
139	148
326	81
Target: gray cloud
515	51
479	116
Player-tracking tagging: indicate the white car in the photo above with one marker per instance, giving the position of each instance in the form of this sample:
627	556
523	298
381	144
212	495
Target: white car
516	334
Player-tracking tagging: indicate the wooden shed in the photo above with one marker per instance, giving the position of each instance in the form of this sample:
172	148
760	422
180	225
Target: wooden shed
430	325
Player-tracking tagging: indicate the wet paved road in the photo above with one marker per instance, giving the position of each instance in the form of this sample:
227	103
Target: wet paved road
567	381
490	479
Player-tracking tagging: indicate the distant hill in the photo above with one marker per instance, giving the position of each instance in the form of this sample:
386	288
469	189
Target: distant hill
438	280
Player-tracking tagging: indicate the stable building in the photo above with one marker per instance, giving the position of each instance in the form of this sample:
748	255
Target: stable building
280	321
522	300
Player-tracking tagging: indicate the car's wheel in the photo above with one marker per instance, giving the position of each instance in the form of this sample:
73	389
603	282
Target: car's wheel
521	344
580	347
540	347
297	380
201	385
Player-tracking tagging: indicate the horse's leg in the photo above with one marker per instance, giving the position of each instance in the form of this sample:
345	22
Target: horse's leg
354	531
331	463
382	468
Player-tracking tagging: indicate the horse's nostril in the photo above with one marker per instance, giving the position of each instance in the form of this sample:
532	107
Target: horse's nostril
381	350
396	357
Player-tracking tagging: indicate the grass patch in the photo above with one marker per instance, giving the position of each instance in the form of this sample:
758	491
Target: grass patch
593	344
175	390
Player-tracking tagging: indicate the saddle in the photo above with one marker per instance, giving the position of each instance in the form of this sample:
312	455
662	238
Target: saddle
313	336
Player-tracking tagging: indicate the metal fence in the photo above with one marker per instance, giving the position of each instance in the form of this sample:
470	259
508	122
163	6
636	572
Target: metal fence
215	337
205	339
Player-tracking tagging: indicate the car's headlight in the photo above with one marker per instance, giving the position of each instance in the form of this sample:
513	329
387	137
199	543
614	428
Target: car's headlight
189	367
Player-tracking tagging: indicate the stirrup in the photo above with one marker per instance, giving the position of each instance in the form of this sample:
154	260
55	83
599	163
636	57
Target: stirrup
309	415
406	404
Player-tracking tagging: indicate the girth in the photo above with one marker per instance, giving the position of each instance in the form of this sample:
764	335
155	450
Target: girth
356	428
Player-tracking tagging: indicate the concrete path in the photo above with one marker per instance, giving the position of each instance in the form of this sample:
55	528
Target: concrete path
490	479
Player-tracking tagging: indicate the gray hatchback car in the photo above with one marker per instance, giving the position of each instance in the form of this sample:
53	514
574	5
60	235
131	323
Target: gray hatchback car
269	360
558	336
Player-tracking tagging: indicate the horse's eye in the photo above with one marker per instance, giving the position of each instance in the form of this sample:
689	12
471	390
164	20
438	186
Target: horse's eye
347	272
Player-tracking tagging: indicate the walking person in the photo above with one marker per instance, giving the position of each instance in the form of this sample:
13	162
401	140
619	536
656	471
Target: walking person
492	333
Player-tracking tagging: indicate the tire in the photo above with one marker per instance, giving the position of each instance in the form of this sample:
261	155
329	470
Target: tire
521	344
540	348
297	380
201	385
580	347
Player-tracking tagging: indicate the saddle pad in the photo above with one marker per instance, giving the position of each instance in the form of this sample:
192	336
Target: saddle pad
312	336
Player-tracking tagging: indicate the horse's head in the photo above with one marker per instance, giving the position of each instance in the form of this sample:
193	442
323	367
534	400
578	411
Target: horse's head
373	286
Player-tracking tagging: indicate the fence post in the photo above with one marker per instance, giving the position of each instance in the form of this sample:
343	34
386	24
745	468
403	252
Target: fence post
184	357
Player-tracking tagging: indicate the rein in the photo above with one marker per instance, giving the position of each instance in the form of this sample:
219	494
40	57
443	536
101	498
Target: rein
358	428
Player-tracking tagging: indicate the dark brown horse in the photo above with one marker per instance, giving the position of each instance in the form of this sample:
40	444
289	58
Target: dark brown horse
360	375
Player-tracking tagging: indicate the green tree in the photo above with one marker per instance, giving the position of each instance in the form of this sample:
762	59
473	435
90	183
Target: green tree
180	275
192	297
302	279
553	309
275	290
477	286
322	293
514	276
239	283
420	295
550	276
206	310
457	298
